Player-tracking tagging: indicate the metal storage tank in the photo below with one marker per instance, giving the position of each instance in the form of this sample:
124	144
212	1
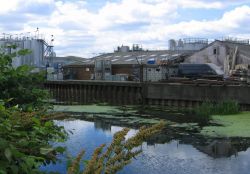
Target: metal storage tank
172	44
124	49
37	46
180	43
38	52
27	59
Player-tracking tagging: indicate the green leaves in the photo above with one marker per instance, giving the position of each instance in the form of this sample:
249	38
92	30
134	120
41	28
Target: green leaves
48	124
24	136
24	141
24	52
46	151
20	84
7	154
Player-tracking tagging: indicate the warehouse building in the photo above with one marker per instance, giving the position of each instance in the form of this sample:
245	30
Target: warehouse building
136	64
227	54
82	69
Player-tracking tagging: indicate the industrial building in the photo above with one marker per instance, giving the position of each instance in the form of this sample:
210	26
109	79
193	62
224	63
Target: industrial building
42	53
191	44
227	54
137	64
79	71
126	64
63	61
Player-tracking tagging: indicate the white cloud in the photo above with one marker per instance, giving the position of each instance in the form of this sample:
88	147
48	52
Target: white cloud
149	22
200	4
13	5
7	6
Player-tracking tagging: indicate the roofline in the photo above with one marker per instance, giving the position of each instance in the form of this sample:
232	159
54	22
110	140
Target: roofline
78	65
205	47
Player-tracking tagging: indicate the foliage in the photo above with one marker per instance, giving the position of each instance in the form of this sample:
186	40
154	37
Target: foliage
118	154
25	129
19	84
24	140
207	109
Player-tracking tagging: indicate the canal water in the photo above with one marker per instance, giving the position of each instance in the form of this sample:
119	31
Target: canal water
163	154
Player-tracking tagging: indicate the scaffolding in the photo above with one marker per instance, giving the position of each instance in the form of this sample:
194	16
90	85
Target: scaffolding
236	40
195	41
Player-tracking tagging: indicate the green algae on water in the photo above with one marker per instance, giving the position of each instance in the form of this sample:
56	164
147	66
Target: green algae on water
87	109
122	114
237	125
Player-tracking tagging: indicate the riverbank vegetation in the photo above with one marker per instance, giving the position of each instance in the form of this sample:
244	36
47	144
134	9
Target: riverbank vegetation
25	130
207	109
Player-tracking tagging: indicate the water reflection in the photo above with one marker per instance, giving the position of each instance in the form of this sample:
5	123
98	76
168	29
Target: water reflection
219	148
166	153
216	148
99	124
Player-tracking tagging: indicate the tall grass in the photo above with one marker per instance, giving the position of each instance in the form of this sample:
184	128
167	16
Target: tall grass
207	109
226	108
204	112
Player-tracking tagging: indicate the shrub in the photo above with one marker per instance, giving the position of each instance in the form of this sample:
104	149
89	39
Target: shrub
24	140
24	133
20	85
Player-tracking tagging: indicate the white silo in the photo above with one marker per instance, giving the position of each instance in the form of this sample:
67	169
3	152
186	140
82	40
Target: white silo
172	44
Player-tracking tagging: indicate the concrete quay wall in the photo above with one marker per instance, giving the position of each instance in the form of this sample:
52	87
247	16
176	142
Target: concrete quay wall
135	93
198	93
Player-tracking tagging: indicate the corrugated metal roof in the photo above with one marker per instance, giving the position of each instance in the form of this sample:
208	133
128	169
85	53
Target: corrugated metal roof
136	57
141	56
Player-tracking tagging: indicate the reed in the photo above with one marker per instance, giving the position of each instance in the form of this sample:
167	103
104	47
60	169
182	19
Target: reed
207	109
118	154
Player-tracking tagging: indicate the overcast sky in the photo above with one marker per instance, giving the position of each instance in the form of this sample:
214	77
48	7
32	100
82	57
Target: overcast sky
89	27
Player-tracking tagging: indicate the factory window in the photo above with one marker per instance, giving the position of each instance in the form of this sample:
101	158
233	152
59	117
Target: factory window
215	51
158	69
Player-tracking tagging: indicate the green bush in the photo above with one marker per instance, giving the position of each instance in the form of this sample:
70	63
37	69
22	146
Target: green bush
20	85
24	140
25	129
